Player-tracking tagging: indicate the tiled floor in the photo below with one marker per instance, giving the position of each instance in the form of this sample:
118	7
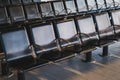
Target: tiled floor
107	68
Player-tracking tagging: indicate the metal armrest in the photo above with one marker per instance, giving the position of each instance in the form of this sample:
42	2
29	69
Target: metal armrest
117	4
91	7
58	45
31	47
70	11
33	51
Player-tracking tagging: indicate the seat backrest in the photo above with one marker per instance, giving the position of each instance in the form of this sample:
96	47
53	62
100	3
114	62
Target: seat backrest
103	21
59	7
1	49
43	34
116	17
32	11
3	16
109	3
117	2
16	1
17	13
86	25
66	29
104	25
81	5
116	20
27	1
70	4
36	0
15	44
101	4
91	4
46	9
4	2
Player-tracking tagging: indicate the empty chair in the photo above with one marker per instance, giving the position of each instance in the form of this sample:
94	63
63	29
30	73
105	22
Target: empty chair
91	5
105	29
16	13
46	9
16	1
88	33
101	4
70	5
32	12
68	37
109	4
116	22
117	3
59	8
81	5
16	47
45	41
4	16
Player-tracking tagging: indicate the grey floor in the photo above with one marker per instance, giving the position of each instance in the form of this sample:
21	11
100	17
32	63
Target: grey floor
107	68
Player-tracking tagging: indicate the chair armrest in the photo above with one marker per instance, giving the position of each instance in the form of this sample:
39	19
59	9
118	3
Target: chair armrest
70	11
117	4
57	43
33	51
91	7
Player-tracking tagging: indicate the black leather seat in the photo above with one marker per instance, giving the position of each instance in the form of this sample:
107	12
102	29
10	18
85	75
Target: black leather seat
18	52
87	31
44	40
17	13
4	16
105	29
116	23
32	12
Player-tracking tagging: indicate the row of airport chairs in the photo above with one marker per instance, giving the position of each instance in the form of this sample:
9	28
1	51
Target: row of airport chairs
51	9
57	39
